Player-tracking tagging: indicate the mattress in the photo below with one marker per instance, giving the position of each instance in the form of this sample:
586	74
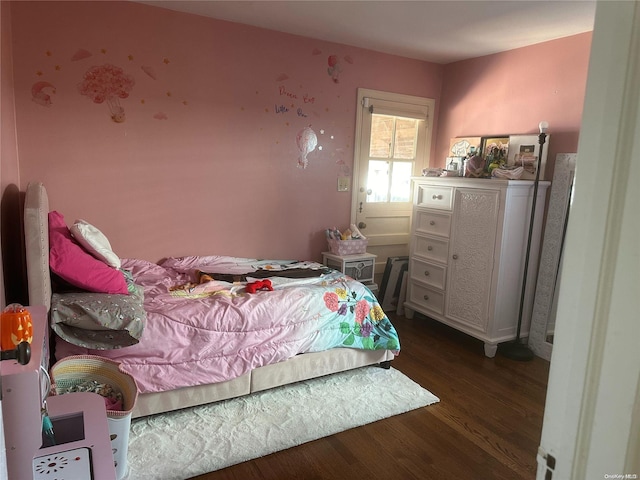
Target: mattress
201	335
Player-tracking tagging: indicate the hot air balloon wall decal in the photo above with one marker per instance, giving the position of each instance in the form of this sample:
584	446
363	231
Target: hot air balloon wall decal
306	140
107	83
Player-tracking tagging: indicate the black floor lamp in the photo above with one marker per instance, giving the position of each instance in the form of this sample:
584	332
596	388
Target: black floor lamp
517	350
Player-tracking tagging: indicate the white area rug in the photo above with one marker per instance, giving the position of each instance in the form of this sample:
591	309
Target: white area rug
190	442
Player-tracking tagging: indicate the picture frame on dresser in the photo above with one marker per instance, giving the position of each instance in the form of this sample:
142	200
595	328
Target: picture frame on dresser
464	146
523	151
496	145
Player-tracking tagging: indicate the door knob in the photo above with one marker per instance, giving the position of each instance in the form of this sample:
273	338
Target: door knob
362	225
368	191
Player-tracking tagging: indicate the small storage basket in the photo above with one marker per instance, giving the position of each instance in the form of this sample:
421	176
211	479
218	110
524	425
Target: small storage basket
347	247
77	369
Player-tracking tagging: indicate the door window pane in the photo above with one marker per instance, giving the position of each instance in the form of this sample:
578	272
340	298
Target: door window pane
381	136
401	181
405	138
378	181
392	151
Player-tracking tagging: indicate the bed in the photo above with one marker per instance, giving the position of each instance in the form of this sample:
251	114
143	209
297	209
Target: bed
201	341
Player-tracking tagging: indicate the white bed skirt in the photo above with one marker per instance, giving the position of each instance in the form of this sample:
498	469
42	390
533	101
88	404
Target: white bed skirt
296	369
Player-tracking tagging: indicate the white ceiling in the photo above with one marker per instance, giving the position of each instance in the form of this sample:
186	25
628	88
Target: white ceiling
437	31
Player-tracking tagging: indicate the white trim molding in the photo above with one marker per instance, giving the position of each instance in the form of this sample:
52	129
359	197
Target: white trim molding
591	419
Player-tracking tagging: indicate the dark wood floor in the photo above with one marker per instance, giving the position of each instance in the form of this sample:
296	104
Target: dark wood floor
487	425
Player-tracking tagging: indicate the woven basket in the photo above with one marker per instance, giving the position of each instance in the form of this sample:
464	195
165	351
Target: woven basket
76	369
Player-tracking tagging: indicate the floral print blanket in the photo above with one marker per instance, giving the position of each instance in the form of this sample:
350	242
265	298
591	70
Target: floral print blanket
212	334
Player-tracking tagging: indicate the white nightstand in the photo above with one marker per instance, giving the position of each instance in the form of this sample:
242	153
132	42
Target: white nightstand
360	267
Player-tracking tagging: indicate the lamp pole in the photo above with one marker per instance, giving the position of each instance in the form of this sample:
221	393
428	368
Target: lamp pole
516	350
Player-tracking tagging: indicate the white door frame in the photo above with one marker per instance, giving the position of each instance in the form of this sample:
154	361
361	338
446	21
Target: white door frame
391	97
592	415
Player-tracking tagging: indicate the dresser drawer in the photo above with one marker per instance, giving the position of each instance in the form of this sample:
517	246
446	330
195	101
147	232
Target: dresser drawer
429	273
427	298
432	223
435	196
431	248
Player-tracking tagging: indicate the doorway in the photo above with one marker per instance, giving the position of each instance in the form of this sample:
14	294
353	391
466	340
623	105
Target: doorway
393	140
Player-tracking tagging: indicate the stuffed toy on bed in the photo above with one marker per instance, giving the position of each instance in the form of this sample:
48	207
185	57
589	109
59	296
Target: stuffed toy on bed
205	283
253	287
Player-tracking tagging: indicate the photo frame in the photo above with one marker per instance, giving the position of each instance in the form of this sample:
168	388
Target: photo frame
391	284
463	146
523	151
497	148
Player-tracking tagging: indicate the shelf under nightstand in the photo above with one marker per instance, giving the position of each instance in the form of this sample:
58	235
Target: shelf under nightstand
360	267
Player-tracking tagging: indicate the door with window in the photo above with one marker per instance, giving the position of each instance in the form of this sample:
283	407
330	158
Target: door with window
393	137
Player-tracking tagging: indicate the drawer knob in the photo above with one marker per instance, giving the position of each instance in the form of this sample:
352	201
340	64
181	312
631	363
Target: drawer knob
426	273
432	222
426	297
437	197
455	257
429	248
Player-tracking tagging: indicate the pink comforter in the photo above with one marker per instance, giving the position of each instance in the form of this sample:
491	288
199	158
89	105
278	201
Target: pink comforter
210	335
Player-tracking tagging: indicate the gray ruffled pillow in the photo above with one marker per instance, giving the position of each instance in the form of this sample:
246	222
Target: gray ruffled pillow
99	321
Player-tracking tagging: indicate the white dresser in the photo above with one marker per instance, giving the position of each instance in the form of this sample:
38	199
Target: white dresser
467	254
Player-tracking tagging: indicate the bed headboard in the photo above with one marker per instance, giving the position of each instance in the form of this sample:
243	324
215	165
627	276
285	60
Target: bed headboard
36	238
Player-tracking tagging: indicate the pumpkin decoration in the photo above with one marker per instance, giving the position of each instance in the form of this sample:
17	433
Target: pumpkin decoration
15	326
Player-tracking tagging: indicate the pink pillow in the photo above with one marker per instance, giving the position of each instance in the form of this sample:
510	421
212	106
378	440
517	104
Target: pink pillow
69	261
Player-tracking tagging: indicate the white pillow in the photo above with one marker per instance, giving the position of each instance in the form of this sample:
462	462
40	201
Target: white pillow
94	242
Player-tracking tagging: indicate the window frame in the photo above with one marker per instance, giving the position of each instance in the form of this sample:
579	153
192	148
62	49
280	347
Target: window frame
395	104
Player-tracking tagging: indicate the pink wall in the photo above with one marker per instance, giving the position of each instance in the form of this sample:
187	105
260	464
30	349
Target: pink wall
206	159
8	146
12	275
511	92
